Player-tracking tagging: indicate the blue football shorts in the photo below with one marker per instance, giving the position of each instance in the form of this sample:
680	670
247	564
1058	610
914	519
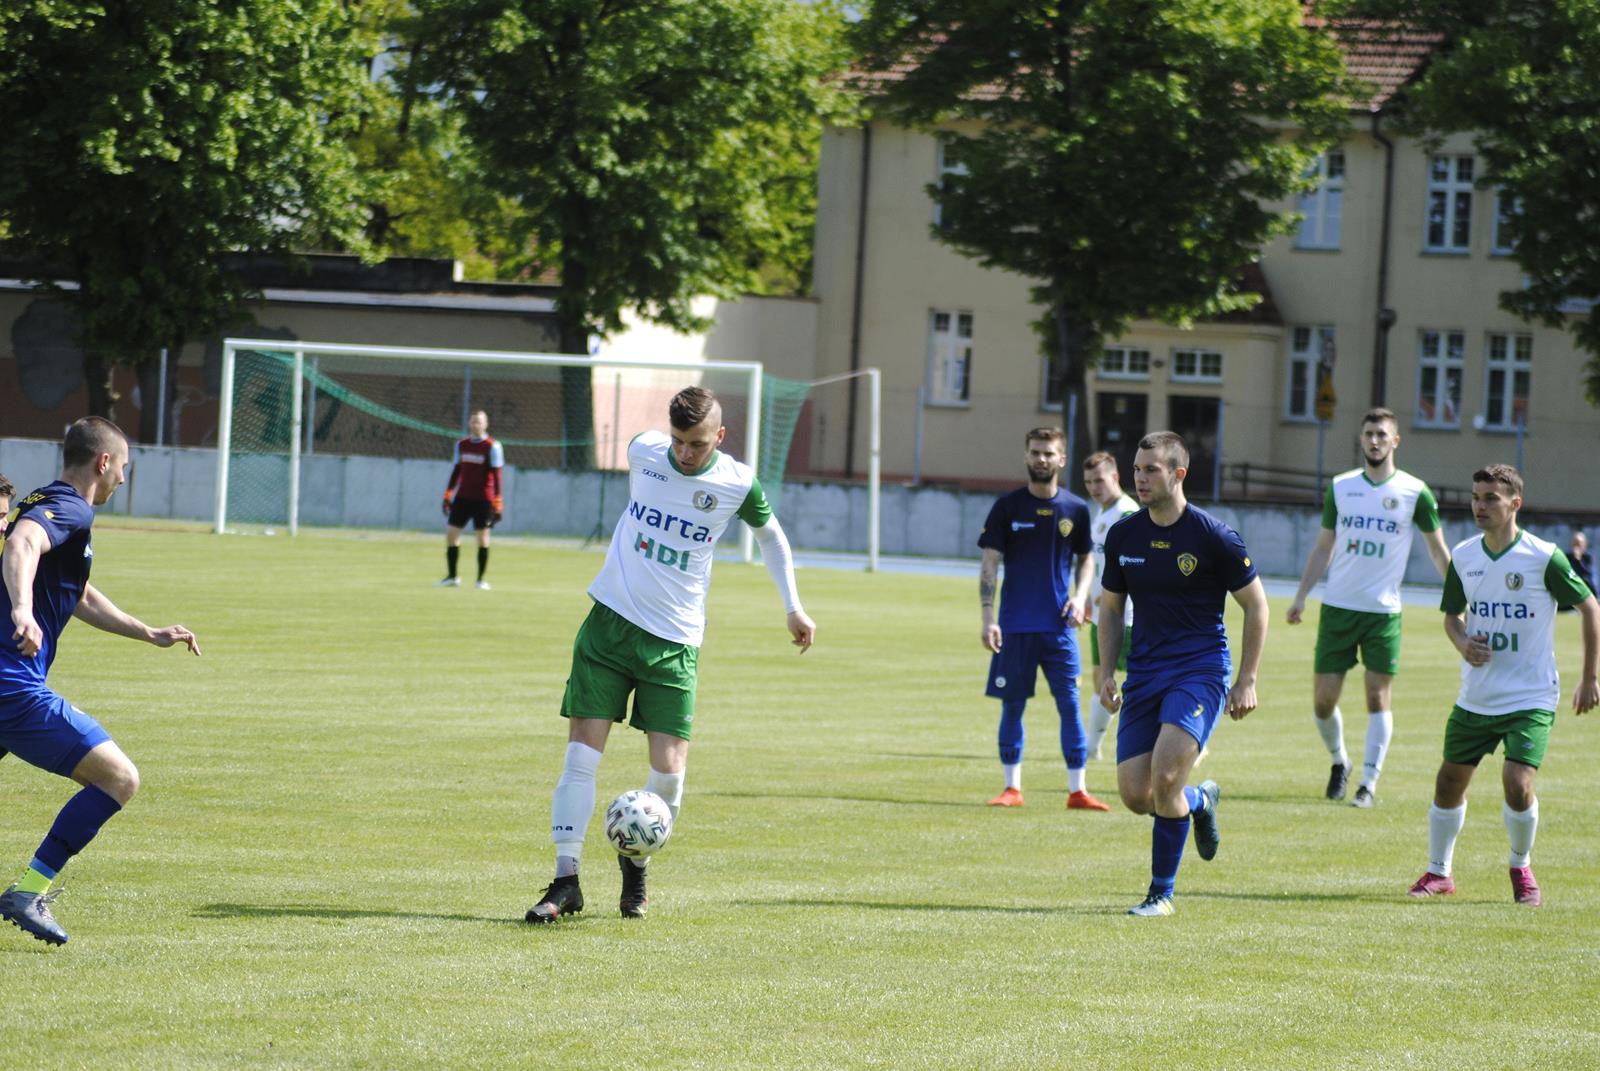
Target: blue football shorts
1014	668
1192	703
44	730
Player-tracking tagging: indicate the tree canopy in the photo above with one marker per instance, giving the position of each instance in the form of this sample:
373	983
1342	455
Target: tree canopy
1126	154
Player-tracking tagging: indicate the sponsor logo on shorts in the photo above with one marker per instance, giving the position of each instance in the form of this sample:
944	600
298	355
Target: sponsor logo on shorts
1198	712
1187	563
705	501
1514	581
999	682
1064	526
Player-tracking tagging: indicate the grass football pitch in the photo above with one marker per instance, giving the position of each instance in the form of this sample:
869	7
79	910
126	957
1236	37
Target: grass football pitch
345	814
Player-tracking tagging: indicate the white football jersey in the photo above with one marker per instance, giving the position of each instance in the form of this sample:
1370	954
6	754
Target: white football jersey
1512	598
1100	522
1372	525
658	567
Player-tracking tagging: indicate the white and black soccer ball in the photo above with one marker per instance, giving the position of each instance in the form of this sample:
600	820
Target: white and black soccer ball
638	822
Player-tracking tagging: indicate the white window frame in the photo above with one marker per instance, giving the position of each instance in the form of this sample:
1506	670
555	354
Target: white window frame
1322	209
1442	350
1505	206
943	167
1306	345
1449	204
1506	355
949	369
1199	374
1123	362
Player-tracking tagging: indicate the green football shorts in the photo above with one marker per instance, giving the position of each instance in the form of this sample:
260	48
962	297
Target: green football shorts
1341	631
1122	656
1468	737
612	657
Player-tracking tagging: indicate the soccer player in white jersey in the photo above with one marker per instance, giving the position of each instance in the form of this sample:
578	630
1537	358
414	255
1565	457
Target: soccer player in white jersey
642	635
1500	599
1108	504
1368	518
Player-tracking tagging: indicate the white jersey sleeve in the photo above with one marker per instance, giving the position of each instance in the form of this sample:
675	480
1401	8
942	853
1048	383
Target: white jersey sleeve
1101	518
658	567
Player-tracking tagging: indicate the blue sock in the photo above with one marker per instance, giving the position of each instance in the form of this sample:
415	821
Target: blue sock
1074	742
1011	730
1196	798
75	827
1166	852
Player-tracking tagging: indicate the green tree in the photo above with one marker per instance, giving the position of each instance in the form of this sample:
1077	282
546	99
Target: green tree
1525	80
657	150
1125	154
147	140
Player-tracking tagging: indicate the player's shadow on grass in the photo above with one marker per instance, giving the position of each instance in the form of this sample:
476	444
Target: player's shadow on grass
323	911
881	905
843	799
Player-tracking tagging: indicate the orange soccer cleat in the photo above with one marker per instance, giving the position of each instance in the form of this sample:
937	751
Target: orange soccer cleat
1082	801
1011	797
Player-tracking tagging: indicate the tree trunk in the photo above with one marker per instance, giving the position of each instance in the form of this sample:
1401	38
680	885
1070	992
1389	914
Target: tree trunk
97	381
577	399
152	410
1074	342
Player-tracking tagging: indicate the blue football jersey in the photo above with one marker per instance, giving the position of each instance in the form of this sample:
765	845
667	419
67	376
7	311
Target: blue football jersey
57	585
1179	578
1039	540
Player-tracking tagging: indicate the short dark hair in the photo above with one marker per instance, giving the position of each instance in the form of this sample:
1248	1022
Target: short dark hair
6	487
1098	458
1046	435
88	438
690	407
1500	474
1378	415
1170	443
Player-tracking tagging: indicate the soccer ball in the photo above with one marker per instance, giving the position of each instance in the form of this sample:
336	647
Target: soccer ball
638	822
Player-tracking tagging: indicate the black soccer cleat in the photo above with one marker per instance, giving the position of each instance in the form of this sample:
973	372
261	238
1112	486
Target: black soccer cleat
30	913
1206	836
1364	798
634	901
1338	781
561	897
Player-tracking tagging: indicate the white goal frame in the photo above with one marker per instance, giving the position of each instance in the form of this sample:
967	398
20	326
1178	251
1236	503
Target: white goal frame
752	370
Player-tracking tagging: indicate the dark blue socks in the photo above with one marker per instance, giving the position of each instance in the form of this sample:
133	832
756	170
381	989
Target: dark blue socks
74	828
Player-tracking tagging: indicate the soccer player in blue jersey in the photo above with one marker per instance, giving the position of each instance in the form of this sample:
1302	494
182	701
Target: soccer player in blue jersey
1042	533
45	563
1178	564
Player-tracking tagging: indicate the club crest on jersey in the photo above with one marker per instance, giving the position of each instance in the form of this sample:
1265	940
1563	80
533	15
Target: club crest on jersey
1064	526
1186	563
705	501
1391	503
1514	581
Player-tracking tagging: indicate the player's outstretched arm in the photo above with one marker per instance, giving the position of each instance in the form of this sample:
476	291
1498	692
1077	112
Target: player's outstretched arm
1252	598
780	566
26	542
94	608
1587	695
1110	609
988	585
803	629
1316	565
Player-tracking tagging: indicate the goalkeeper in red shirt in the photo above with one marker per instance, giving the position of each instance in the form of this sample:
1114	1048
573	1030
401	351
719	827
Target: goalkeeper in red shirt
473	494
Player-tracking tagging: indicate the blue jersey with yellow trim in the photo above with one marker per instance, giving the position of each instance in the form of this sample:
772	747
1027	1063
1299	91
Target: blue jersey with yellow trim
58	584
1039	539
1179	578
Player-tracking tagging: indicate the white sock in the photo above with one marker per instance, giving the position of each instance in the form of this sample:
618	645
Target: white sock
572	806
1444	826
1521	827
1013	774
669	786
1332	730
1380	727
1075	779
1099	722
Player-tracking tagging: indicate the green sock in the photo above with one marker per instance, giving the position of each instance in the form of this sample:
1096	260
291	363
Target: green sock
33	882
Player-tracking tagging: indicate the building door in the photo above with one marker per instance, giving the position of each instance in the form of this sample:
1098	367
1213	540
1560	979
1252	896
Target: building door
1119	425
1196	420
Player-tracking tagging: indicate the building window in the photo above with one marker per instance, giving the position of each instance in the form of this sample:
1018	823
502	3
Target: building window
1308	347
1321	209
950	163
1196	366
949	357
1449	204
1506	208
1509	373
1439	358
1123	362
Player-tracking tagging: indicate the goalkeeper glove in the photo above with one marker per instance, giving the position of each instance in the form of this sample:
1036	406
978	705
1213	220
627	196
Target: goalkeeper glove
497	510
449	498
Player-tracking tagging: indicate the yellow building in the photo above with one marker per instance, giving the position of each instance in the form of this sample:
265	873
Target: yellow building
1392	276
